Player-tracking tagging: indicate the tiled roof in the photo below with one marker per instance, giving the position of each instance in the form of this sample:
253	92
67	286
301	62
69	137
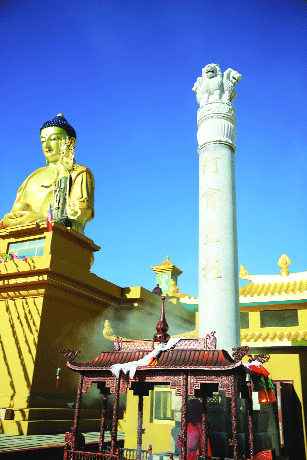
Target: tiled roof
170	359
163	266
273	337
264	288
276	337
167	262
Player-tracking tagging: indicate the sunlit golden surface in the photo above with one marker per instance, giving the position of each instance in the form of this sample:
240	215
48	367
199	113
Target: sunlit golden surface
36	193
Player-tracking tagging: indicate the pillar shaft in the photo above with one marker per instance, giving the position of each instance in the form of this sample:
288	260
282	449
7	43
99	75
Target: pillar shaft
115	416
250	428
140	429
218	253
77	413
184	417
234	418
204	428
103	421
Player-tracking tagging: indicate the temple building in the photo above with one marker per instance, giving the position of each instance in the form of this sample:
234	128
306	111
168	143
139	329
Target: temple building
273	317
49	301
167	276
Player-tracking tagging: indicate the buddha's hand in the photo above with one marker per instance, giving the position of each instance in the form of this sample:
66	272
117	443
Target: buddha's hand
21	217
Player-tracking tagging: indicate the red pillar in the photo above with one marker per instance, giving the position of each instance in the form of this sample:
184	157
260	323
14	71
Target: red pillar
77	413
115	417
204	427
103	421
184	417
234	417
140	429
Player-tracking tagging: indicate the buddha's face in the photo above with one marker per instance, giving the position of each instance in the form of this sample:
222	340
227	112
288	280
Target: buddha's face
51	138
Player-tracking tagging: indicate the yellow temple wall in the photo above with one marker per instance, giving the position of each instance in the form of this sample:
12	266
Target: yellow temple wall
156	434
20	323
287	364
286	361
54	301
289	331
47	303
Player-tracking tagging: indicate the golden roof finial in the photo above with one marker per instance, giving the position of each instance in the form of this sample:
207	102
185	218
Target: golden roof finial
284	263
243	273
167	258
60	115
108	331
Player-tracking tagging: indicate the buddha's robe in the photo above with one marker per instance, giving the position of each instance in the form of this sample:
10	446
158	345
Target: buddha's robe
81	196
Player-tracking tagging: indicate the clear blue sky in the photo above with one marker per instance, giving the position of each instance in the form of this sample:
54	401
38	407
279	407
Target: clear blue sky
121	72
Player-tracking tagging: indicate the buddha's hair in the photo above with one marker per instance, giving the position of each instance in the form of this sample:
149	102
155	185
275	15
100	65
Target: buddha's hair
61	122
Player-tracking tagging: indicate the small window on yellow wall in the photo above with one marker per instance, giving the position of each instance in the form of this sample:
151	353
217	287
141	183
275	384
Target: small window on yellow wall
162	402
278	318
30	248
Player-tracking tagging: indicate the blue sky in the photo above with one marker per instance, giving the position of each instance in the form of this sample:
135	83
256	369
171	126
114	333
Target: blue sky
121	72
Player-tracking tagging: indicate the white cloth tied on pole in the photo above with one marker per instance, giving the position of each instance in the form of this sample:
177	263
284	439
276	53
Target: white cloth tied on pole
133	365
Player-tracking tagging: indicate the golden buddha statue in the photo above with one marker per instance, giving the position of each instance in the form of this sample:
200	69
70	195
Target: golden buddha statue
37	192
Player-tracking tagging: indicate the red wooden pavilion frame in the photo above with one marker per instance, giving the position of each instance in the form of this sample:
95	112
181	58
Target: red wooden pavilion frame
189	367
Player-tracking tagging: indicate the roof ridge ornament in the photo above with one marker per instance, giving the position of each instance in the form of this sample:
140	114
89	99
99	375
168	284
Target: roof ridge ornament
69	354
161	335
243	273
284	263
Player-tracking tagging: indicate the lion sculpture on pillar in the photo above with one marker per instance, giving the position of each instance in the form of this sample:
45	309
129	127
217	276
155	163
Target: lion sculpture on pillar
230	79
213	86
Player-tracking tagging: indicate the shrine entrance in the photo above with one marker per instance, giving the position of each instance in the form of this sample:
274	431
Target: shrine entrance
189	369
188	366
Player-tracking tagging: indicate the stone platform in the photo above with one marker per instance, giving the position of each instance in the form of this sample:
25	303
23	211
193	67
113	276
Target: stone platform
10	442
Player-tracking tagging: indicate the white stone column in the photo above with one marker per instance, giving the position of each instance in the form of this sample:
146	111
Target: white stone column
218	252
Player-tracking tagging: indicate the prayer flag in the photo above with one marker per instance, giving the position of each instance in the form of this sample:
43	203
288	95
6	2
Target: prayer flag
12	257
49	219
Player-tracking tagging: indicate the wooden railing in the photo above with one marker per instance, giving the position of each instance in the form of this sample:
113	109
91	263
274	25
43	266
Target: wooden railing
78	455
131	454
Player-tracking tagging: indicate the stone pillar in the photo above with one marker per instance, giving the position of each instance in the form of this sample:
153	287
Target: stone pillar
218	252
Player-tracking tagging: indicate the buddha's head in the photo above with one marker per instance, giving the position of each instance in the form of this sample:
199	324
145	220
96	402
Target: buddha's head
52	133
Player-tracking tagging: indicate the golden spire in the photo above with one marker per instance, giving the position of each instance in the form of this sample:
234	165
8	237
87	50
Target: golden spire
284	263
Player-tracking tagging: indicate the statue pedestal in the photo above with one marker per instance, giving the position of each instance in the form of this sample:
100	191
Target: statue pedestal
45	303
